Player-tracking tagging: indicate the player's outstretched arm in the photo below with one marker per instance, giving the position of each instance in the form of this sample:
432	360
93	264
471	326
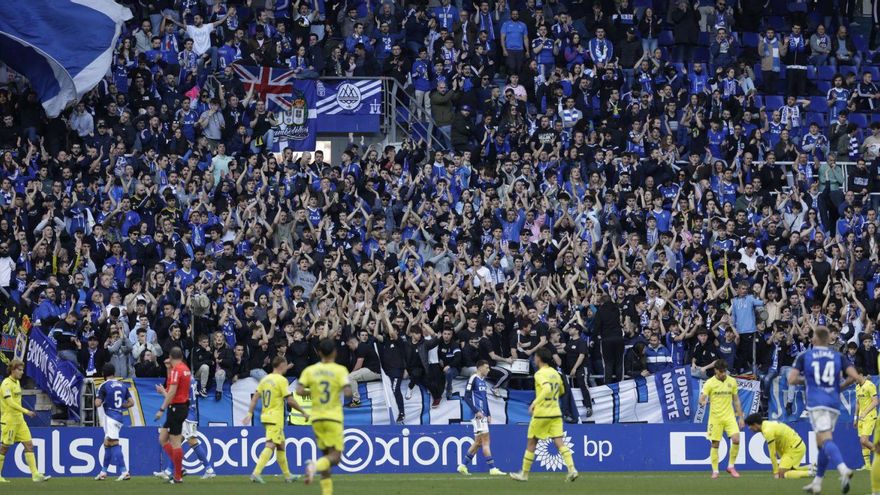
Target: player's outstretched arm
250	414
293	404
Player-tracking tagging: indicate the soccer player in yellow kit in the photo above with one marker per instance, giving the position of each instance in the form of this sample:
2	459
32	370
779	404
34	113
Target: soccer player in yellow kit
326	382
865	417
546	416
720	392
274	393
12	426
783	440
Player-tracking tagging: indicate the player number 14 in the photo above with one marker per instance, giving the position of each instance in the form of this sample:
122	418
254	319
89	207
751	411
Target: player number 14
824	375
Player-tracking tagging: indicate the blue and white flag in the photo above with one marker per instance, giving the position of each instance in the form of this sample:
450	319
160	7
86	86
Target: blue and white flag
59	378
298	124
63	47
353	105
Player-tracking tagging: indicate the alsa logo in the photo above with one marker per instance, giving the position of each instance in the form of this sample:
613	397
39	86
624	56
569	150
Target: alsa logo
80	457
692	449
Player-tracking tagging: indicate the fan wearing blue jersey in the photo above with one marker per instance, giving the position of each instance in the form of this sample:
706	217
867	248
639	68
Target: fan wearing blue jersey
113	396
476	399
190	435
821	369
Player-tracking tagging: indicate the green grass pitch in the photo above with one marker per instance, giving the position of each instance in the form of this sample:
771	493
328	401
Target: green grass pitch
654	483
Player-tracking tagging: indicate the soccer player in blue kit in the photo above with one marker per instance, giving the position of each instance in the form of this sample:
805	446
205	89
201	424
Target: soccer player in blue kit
475	397
821	369
190	435
114	397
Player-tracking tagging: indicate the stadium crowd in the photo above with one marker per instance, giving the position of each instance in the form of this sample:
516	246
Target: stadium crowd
633	187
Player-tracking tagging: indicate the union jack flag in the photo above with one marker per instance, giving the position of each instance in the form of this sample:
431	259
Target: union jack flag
273	86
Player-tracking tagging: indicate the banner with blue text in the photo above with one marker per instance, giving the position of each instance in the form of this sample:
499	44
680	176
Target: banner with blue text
352	105
424	449
59	378
667	397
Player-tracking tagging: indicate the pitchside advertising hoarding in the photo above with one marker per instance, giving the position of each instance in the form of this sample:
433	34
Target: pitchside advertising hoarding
420	449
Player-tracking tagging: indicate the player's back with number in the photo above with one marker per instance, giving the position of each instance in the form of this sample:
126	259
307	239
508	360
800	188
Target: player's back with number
822	369
548	388
326	381
114	395
273	391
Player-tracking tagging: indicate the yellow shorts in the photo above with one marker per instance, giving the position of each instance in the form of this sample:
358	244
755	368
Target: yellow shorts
866	427
718	427
792	459
14	432
542	428
328	433
275	434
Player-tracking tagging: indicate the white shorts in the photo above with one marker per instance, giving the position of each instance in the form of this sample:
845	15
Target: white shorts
190	429
823	419
481	425
111	428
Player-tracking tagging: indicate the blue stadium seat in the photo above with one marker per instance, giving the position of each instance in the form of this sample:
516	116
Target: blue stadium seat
860	42
750	40
847	69
703	39
819	118
776	22
811	73
665	39
701	54
818	104
825	72
773	102
874	70
859	119
823	86
643	4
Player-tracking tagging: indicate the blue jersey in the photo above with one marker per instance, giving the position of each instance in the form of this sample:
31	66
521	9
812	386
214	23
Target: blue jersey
475	395
114	394
193	414
822	369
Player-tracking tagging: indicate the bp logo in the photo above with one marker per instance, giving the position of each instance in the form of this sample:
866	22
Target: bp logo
551	460
348	96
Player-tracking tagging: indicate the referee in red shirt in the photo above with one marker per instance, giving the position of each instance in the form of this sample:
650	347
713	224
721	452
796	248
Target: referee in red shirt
176	392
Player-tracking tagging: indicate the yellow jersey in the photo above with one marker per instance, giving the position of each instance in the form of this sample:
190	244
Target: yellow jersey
548	388
720	396
865	394
11	410
781	436
325	381
273	391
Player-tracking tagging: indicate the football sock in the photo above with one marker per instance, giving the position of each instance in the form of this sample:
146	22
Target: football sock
2	458
31	462
822	462
566	456
281	457
713	455
490	461
527	462
323	464
796	473
875	474
326	486
834	457
108	459
202	455
734	453
178	463
169	452
469	457
119	459
265	456
866	455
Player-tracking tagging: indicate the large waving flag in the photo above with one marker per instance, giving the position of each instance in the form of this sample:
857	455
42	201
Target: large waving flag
63	47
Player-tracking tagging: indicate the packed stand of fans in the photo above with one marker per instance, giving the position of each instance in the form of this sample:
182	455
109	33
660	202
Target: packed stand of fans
605	182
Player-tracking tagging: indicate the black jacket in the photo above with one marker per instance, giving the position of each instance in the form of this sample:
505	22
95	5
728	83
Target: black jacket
607	322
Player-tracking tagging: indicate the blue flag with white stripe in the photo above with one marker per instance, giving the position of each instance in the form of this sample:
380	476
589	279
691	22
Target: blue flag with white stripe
352	105
63	47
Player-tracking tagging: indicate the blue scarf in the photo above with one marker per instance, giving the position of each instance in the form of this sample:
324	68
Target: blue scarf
771	49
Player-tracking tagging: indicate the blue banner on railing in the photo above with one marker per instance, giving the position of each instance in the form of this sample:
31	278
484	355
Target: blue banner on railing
667	397
353	105
59	378
787	403
425	449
